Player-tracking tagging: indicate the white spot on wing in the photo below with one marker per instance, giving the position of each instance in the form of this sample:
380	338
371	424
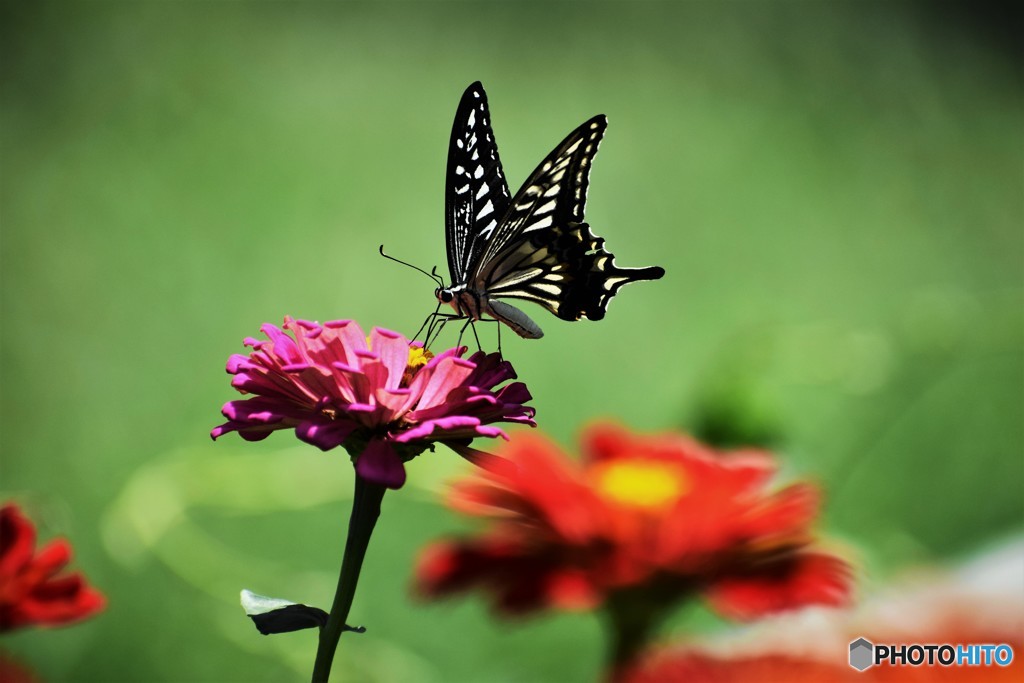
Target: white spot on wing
553	290
612	281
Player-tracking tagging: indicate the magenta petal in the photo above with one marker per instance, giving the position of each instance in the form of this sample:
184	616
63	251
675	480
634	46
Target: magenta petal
324	435
237	362
284	346
514	393
381	465
254	434
443	424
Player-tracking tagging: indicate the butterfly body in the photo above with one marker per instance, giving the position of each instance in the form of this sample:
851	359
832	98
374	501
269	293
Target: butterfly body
534	246
474	303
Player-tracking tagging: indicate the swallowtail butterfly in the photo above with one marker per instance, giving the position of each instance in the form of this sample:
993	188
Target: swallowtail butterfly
534	246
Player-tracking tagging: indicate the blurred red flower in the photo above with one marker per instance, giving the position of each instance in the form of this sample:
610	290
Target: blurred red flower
642	522
13	671
698	667
982	602
31	592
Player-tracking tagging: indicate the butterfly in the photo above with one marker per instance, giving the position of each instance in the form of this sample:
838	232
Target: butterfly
534	246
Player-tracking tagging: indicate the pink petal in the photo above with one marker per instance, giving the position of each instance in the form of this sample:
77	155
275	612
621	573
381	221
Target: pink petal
284	346
448	374
393	350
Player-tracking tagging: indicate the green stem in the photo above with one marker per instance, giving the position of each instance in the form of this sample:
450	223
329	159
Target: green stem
365	511
633	618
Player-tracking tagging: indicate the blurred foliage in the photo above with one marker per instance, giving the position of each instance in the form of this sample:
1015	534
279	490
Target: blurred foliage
834	191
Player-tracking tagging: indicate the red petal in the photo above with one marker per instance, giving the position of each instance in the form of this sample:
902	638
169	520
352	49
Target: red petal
519	580
800	580
62	601
17	541
786	513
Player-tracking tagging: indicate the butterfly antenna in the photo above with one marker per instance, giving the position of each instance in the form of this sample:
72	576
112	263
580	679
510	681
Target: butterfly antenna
432	275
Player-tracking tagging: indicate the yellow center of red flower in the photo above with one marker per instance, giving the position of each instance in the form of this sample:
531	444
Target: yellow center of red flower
641	483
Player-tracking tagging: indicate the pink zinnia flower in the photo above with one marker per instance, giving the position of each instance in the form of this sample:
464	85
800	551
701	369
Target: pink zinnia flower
382	397
31	592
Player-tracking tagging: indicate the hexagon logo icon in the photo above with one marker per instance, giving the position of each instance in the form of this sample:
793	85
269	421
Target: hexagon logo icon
861	654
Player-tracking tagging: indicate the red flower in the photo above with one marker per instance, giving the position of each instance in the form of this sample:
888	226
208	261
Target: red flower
31	593
692	666
698	667
980	603
382	397
642	522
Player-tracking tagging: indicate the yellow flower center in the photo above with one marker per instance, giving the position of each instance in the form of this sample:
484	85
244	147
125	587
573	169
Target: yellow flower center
639	483
418	357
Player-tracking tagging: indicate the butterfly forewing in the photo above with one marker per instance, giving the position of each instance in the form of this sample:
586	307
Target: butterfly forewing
556	191
476	193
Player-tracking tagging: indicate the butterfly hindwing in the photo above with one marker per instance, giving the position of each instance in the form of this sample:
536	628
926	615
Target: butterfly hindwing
565	268
476	193
544	252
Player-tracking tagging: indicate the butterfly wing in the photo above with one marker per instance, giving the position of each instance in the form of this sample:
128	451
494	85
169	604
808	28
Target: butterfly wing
542	251
476	193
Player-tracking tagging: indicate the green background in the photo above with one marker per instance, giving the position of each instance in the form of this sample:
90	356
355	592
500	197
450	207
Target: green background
834	191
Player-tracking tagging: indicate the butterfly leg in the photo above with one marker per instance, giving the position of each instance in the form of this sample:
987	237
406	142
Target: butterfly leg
437	323
429	318
497	324
469	322
472	326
